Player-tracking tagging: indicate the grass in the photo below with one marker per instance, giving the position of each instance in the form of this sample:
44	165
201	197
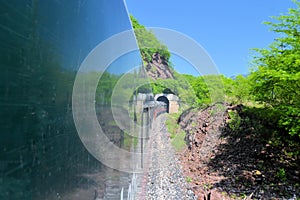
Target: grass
212	112
129	140
281	174
194	124
177	135
188	179
112	123
172	125
235	120
178	141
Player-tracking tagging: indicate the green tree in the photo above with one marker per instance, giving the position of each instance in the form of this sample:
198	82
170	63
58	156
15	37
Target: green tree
276	81
201	91
237	89
148	43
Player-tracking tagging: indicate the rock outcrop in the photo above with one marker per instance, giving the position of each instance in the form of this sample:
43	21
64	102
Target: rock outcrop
158	67
229	156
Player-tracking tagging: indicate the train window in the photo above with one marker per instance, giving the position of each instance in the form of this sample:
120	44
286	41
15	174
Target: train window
43	44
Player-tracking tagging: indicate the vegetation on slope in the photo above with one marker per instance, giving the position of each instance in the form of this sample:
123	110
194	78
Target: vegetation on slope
268	123
270	90
148	43
274	81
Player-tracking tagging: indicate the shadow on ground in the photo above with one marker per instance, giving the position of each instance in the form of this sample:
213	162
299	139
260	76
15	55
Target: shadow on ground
256	158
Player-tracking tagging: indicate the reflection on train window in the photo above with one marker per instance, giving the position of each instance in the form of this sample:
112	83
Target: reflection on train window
42	46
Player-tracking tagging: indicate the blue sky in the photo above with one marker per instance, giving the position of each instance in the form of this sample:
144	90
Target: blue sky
226	29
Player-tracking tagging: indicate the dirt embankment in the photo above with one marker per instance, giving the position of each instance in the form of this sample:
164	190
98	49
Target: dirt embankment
228	156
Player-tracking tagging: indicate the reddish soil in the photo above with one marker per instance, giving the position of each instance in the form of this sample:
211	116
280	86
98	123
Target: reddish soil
227	159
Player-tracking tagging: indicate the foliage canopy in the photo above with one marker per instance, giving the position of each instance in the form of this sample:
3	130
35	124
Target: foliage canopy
276	81
148	43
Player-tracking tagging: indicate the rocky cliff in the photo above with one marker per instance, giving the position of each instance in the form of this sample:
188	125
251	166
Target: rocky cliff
158	68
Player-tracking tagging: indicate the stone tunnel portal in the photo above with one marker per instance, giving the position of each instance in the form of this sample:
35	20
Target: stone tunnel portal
165	100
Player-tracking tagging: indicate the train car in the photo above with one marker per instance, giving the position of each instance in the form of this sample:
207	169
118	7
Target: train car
43	43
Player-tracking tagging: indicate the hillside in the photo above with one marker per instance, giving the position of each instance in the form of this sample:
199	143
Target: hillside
155	55
232	154
158	68
248	148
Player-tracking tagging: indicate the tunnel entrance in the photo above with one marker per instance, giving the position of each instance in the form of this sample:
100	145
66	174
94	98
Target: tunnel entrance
165	100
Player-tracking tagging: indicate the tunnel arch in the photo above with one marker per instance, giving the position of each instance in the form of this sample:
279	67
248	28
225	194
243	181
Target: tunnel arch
165	100
172	101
